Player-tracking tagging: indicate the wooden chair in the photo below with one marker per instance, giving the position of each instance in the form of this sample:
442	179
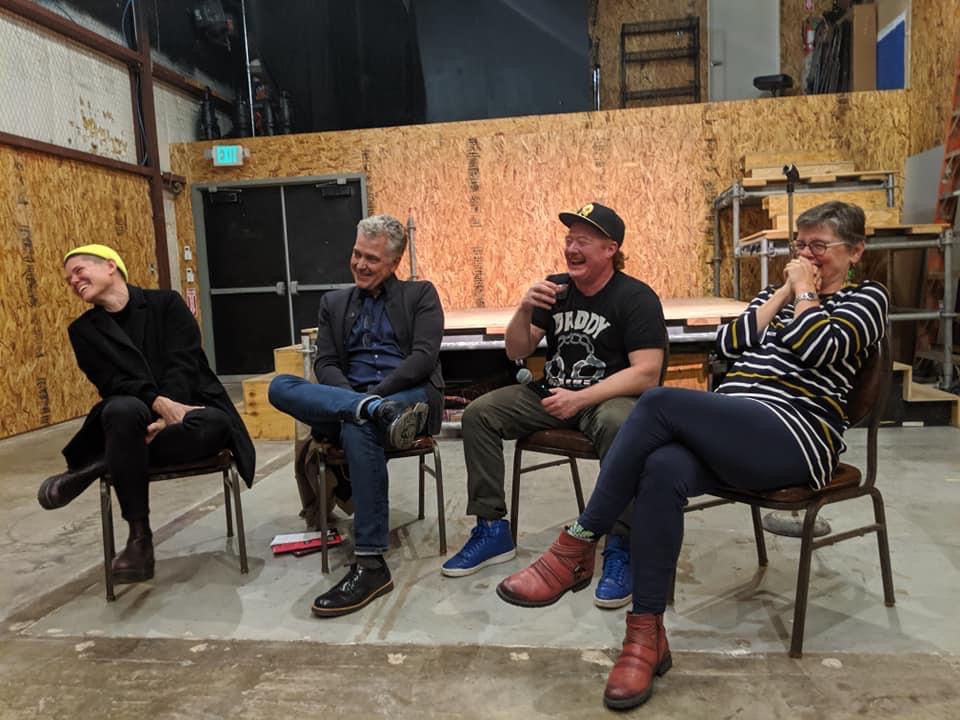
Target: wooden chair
864	408
223	463
325	454
570	445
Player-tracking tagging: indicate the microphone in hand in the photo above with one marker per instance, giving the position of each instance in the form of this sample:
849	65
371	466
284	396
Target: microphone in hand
525	378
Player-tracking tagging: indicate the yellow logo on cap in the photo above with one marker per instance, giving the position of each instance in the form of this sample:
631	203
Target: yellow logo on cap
585	210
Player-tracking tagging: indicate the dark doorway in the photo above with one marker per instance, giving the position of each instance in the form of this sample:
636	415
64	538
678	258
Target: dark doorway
272	252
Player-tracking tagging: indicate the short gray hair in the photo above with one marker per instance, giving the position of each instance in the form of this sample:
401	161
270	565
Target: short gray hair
845	219
388	227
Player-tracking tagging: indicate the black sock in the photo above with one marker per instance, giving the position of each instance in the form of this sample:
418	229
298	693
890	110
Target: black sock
371	562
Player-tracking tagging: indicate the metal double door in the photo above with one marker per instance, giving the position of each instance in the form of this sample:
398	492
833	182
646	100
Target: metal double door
272	251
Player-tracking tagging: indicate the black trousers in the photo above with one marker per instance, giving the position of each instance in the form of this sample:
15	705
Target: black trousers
202	433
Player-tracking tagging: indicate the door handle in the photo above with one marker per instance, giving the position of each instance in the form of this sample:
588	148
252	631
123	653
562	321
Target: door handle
281	288
294	287
716	63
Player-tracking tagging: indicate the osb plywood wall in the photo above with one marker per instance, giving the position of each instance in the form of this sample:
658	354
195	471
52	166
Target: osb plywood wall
605	34
934	50
485	195
48	206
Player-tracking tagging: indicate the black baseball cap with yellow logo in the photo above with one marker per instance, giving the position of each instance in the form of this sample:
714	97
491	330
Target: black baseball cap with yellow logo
601	217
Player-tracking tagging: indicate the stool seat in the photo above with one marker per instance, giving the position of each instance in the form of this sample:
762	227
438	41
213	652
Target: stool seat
774	84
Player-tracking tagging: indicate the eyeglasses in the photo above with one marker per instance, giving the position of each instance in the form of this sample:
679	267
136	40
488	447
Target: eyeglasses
817	247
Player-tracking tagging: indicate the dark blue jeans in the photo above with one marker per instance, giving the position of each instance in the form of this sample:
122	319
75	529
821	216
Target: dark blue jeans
677	444
331	413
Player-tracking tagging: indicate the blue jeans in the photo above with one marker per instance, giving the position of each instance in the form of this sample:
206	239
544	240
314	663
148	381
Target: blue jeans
331	413
677	444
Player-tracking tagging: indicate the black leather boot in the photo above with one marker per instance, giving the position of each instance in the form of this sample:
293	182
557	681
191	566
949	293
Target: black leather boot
59	490
135	563
357	589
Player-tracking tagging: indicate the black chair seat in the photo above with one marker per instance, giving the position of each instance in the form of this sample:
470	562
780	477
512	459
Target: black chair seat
773	83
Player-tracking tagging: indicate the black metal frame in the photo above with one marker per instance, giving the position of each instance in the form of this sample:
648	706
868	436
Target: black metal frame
815	501
423	446
689	26
222	463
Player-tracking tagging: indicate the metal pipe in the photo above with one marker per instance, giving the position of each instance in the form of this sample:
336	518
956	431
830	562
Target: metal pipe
411	241
716	250
246	54
905	316
949	299
736	240
596	87
764	262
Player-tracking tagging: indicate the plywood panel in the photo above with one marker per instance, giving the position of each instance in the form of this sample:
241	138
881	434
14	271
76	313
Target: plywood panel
48	206
934	47
485	194
611	14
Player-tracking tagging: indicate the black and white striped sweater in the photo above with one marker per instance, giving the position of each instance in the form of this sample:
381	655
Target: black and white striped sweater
803	367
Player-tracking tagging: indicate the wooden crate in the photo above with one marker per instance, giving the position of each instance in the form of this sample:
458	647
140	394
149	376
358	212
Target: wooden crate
288	360
264	421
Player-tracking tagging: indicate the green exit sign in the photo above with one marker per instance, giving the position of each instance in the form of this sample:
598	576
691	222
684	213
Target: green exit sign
227	155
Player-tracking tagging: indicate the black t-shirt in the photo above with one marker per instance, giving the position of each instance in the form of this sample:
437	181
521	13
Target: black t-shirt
589	338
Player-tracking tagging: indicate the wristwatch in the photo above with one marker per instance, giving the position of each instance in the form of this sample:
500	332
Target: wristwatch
807	295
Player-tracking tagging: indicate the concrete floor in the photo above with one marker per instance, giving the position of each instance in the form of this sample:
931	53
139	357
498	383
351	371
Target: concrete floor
202	640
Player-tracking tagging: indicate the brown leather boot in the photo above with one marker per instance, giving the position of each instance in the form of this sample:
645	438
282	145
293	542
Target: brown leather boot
135	563
567	565
645	652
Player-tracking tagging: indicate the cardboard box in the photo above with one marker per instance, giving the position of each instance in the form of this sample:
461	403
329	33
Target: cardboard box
863	47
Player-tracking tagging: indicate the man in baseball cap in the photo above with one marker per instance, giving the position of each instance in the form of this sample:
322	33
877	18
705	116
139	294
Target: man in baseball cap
605	345
160	402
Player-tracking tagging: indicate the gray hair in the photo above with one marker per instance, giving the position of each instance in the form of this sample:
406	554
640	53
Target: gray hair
388	227
845	219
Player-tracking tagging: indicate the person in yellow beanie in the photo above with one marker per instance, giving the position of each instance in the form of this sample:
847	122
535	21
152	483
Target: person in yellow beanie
160	401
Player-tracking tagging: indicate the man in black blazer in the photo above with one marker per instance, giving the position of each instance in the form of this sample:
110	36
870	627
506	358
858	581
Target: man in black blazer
161	402
378	385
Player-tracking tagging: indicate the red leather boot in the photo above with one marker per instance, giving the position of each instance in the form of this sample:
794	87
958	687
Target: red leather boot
567	565
645	652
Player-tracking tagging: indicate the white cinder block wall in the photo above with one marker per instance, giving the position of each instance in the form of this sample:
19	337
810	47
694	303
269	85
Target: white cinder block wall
61	93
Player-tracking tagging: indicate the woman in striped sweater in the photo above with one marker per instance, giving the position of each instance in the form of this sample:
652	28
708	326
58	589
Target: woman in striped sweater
776	420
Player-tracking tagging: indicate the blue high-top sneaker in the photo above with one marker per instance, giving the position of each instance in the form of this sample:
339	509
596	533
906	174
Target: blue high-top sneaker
615	588
490	543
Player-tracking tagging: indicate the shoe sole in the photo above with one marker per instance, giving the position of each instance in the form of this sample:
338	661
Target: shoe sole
403	430
495	560
612	603
506	597
128	577
635	700
346	610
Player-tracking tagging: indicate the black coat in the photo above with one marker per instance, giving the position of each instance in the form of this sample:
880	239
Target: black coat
416	315
161	355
